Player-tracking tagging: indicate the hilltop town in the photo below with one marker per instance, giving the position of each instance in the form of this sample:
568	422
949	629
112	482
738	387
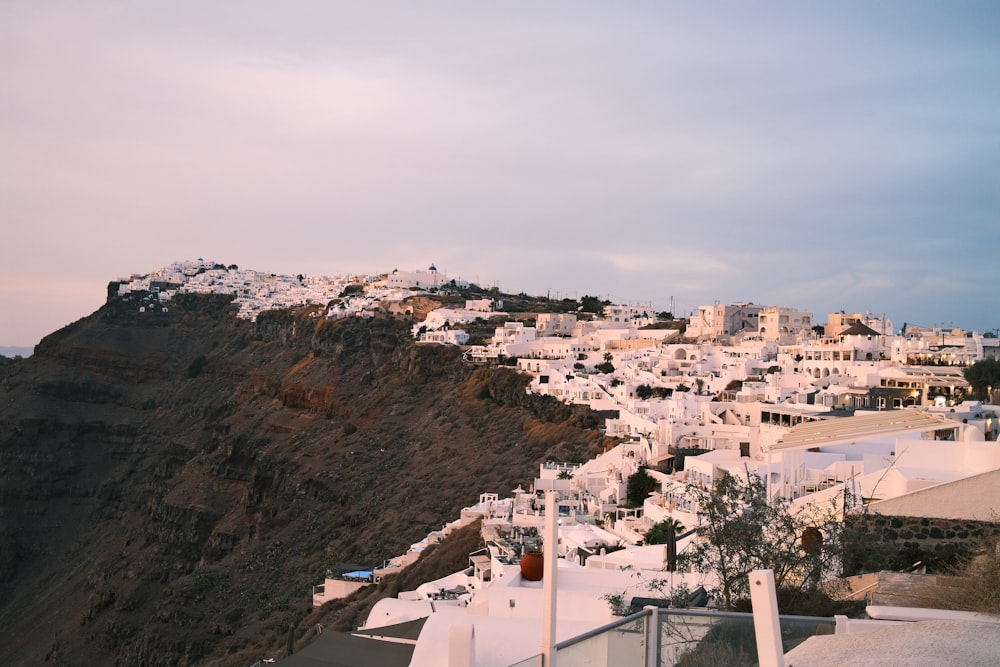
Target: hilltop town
845	412
630	358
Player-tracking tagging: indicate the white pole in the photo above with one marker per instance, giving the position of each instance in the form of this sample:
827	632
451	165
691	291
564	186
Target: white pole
765	619
549	551
653	634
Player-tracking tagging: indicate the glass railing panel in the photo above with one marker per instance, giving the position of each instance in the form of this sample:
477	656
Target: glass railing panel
624	644
689	638
703	639
797	629
533	661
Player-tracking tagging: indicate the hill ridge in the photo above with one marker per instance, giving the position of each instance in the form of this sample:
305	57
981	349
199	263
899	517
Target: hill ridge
173	486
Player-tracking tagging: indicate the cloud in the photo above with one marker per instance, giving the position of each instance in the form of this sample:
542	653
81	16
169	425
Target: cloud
791	154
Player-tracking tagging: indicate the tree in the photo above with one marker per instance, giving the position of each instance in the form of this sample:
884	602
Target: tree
743	531
643	391
593	304
640	484
606	366
983	375
352	289
658	533
665	316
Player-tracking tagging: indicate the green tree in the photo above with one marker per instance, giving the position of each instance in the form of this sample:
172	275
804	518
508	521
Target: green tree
593	304
983	375
665	316
643	391
640	484
742	531
658	533
606	366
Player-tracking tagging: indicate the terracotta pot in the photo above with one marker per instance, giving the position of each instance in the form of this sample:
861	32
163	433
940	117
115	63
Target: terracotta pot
812	540
532	566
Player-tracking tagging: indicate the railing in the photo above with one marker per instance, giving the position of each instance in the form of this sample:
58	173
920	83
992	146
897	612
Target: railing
688	637
621	643
694	638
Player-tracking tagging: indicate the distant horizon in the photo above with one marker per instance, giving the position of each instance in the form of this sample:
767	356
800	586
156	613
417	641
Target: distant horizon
659	305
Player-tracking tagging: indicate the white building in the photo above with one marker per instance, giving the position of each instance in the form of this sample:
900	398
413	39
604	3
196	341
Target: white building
421	279
782	324
635	316
555	324
717	321
445	337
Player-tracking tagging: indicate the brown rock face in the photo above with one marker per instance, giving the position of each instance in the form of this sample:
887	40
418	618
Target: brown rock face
173	483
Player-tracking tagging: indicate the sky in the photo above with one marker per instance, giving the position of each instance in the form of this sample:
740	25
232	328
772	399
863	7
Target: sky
818	156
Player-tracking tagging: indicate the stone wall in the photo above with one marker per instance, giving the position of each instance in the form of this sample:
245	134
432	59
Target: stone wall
877	542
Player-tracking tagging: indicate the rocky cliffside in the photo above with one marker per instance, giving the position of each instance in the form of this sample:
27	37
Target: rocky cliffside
172	483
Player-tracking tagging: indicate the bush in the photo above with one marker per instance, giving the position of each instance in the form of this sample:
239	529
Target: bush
640	485
197	366
976	586
981	584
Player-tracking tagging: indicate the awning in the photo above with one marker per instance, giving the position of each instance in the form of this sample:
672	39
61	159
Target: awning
846	429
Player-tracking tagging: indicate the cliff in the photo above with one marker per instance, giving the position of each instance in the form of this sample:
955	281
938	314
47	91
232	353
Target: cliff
173	482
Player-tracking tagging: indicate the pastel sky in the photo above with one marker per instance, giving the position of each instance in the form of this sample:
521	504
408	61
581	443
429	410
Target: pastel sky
818	156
